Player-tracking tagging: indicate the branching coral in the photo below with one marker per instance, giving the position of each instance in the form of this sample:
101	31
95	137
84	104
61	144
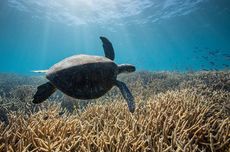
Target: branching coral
171	121
175	112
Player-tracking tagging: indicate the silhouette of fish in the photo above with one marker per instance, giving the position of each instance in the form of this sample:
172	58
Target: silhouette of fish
225	65
226	55
214	52
212	63
227	58
205	57
217	51
211	53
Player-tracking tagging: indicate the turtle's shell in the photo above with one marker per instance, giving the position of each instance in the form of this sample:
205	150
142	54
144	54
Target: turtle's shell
83	76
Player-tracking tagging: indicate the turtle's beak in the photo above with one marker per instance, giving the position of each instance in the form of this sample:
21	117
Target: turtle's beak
130	68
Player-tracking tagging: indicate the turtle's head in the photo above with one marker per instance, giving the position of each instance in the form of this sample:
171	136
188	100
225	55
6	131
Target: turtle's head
126	68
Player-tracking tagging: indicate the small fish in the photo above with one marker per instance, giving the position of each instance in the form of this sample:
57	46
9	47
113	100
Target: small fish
205	57
212	63
195	51
227	58
205	69
213	53
226	55
217	51
226	65
39	71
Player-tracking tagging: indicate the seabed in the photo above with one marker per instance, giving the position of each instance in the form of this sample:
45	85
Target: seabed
175	111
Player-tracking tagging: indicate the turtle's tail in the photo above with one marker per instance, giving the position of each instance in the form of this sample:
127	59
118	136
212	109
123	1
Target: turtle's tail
44	91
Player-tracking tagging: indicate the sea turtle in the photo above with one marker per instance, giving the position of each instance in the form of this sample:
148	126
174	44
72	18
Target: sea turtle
86	77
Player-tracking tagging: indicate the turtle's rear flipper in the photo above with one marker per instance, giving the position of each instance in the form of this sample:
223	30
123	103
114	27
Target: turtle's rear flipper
127	95
43	92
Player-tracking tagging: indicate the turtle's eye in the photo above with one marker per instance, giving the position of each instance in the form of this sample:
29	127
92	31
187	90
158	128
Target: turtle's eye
131	68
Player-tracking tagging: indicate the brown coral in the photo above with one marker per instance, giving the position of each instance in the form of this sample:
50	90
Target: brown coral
175	112
171	121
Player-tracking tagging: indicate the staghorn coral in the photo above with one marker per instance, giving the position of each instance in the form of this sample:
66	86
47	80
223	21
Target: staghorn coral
175	112
9	82
171	121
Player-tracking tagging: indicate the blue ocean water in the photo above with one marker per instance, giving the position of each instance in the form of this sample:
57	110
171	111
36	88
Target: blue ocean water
155	35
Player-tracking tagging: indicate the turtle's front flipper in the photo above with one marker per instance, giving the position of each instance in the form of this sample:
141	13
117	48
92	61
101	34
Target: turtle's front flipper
108	48
43	92
127	95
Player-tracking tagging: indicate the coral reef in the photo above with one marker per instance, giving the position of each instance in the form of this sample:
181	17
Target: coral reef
175	112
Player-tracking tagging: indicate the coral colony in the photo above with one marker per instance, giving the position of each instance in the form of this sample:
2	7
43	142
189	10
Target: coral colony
174	112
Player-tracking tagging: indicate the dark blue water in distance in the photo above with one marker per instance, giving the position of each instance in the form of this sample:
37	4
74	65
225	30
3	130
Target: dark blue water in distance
154	35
